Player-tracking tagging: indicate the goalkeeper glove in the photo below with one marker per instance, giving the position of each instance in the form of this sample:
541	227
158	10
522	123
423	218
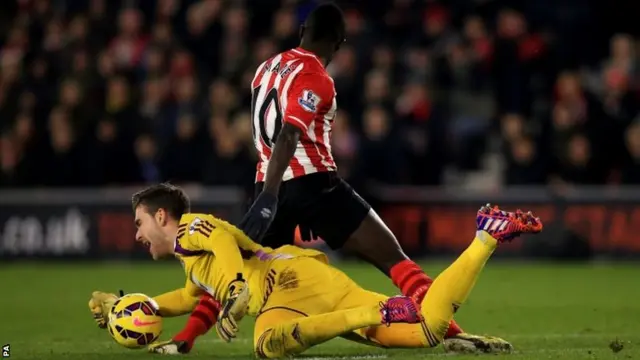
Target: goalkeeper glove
233	309
170	347
100	305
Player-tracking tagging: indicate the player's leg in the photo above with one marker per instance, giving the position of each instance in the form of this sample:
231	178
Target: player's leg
283	332
415	335
450	290
452	287
300	309
266	343
395	336
344	220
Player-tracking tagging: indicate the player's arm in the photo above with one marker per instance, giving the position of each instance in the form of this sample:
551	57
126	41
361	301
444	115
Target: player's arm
228	264
283	151
308	94
225	278
175	303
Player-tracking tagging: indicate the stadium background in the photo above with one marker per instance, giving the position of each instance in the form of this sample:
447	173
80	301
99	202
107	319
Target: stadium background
443	106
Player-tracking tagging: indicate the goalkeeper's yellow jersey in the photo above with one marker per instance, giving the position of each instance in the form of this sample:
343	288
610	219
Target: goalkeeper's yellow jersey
213	254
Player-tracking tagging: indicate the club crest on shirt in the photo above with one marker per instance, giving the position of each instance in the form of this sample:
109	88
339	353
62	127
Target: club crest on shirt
309	101
192	226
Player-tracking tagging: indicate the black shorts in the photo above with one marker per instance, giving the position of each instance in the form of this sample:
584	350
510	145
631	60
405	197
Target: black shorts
322	202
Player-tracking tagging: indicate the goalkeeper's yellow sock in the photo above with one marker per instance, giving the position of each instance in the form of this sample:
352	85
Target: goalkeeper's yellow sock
452	287
294	337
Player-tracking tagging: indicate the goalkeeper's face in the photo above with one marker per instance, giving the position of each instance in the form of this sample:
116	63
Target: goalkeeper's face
151	233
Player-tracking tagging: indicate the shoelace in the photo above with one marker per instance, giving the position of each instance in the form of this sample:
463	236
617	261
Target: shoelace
387	312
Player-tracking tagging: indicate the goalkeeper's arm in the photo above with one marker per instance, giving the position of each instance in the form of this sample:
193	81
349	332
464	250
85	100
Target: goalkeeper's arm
231	288
229	281
175	303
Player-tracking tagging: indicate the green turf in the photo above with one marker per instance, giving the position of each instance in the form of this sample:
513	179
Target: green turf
548	311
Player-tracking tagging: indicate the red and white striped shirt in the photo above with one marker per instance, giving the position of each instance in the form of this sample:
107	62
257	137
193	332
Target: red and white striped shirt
294	87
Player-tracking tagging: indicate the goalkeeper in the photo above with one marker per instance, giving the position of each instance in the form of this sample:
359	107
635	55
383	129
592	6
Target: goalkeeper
298	299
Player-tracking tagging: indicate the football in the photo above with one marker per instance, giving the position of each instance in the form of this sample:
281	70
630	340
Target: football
134	321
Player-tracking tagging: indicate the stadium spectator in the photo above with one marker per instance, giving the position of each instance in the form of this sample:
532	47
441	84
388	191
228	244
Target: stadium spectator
96	92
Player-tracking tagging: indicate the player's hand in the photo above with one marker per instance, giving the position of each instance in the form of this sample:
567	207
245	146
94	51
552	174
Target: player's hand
100	305
170	347
233	310
259	217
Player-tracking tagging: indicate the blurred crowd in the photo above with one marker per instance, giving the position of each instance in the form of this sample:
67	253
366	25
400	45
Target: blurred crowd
97	92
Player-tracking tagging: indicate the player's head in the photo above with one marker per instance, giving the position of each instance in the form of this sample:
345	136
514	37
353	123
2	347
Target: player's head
158	209
324	30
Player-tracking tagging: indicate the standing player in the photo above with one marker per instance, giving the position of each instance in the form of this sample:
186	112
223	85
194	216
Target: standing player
293	108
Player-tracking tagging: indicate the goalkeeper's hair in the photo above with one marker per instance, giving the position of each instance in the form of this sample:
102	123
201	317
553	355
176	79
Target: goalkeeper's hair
163	196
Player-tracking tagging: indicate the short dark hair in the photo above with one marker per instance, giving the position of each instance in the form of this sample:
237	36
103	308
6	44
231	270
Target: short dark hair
326	23
163	196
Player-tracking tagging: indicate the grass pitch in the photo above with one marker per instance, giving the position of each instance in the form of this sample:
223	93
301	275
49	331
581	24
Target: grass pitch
548	311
